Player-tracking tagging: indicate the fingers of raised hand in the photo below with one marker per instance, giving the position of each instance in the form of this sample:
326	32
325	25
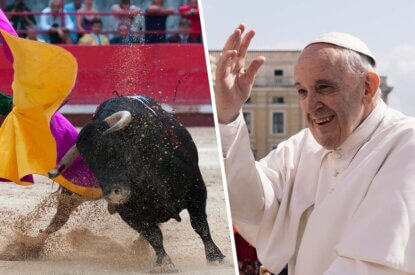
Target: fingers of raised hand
238	41
254	67
234	39
244	44
224	62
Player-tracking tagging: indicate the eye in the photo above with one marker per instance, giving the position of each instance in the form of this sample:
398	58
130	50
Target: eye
325	89
302	93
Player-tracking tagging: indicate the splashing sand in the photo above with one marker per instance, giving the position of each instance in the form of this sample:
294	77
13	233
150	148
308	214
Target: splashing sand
95	242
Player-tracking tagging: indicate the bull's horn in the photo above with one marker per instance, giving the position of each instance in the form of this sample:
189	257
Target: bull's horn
65	162
117	121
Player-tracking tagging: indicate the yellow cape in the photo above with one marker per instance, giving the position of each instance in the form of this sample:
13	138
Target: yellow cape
44	76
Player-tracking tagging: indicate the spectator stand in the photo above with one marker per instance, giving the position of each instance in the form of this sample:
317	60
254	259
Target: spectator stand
104	9
174	74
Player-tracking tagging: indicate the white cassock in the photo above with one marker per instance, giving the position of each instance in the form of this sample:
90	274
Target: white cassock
344	211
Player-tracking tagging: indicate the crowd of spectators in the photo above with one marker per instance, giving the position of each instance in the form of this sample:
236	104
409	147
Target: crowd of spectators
79	22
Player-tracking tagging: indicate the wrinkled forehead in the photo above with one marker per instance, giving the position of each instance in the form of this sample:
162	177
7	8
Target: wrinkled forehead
322	62
322	55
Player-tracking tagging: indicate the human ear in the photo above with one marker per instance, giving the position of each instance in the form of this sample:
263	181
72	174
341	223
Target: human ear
372	83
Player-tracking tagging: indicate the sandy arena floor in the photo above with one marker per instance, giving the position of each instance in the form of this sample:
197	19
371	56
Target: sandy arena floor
95	242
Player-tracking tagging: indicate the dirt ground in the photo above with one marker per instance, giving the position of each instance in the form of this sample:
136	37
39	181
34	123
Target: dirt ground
95	242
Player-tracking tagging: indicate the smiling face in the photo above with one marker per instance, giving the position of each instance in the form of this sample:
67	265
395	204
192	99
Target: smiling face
332	96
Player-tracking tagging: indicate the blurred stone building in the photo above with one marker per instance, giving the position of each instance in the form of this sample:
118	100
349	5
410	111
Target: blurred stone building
273	112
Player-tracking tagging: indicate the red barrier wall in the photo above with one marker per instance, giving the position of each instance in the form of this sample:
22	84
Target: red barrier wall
154	70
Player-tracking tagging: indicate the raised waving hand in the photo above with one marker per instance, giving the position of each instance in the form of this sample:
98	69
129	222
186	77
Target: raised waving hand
233	80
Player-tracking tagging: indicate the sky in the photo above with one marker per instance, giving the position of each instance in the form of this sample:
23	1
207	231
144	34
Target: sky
387	27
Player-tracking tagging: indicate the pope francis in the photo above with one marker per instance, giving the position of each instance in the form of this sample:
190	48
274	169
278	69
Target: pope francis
339	196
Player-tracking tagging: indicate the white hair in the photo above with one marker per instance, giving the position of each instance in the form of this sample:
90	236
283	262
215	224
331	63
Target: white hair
357	63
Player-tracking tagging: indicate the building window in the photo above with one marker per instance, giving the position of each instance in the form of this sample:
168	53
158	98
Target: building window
279	76
248	120
278	72
277	123
277	100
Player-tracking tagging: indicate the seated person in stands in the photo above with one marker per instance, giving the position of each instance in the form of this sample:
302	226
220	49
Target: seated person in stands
124	12
32	34
58	32
155	20
123	36
191	12
95	37
20	22
84	21
73	6
183	36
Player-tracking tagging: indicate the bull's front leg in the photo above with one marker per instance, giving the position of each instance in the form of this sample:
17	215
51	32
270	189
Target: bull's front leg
67	203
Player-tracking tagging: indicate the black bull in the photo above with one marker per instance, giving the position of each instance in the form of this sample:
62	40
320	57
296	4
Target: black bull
147	166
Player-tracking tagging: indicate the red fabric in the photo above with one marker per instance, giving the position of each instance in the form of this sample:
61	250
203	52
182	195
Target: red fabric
244	251
153	70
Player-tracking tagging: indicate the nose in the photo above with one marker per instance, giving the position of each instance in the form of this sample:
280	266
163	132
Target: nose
312	102
118	194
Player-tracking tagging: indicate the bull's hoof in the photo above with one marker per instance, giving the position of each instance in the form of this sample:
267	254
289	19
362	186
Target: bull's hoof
214	255
166	266
217	261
